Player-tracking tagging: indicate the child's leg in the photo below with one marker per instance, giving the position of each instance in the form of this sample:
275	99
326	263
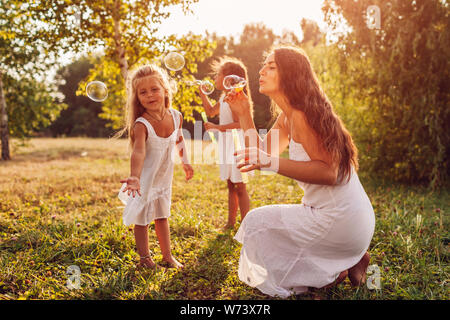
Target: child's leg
244	199
141	237
163	234
233	204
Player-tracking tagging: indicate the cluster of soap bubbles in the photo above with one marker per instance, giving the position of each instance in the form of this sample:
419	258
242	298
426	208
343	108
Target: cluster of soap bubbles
205	86
174	61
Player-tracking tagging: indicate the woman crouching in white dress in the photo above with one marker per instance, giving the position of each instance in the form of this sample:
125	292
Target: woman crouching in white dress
318	243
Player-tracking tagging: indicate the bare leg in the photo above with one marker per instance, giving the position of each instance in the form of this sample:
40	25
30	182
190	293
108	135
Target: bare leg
233	204
357	273
244	199
141	237
163	235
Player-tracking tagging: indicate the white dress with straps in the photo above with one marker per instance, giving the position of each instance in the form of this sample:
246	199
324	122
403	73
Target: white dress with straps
290	247
227	162
156	177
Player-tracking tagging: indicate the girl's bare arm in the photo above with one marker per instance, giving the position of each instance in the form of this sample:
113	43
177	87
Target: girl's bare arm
138	153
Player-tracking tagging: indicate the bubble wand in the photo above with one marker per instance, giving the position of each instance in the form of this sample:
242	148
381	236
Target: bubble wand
234	82
237	146
211	135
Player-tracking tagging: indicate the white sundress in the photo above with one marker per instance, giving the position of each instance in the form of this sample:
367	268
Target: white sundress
156	177
290	247
227	162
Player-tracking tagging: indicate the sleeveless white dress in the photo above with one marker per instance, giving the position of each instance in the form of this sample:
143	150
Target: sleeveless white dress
156	177
290	247
227	162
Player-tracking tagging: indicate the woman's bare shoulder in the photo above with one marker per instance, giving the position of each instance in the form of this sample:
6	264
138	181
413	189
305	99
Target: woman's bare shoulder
299	125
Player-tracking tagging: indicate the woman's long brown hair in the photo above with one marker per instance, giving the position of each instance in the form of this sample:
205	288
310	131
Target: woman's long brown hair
299	83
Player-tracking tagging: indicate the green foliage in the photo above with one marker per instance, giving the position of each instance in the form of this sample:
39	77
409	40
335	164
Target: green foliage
49	222
20	39
26	103
126	33
311	32
81	116
255	40
399	74
31	106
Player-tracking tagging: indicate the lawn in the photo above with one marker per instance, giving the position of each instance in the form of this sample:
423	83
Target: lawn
59	208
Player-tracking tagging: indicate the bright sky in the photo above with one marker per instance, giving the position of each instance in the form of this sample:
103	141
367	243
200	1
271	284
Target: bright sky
228	17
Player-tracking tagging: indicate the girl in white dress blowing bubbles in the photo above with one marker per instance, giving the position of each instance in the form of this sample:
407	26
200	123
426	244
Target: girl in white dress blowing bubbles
288	248
237	191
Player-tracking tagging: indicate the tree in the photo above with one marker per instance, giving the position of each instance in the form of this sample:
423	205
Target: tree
126	32
32	105
401	73
311	32
81	116
21	95
255	40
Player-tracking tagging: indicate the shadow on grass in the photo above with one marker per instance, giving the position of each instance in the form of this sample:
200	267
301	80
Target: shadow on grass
65	153
204	278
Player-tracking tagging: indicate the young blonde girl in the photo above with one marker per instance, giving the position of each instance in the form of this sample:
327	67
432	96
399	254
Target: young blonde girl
154	130
237	192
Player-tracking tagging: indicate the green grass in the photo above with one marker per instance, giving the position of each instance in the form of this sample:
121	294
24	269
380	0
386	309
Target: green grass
59	207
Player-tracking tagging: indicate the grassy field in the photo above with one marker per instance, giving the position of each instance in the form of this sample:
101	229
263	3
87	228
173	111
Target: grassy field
59	207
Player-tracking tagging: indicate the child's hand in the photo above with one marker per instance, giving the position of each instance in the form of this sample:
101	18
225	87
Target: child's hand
133	185
201	92
189	171
238	102
210	126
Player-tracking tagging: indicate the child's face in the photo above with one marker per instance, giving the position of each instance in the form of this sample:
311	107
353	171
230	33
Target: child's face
151	93
218	80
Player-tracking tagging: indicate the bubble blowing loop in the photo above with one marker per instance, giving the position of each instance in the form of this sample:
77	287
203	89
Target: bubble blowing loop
234	82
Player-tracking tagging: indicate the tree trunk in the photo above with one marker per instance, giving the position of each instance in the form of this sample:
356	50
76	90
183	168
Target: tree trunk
3	123
120	50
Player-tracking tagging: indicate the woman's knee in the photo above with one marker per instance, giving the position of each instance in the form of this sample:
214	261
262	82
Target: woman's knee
257	214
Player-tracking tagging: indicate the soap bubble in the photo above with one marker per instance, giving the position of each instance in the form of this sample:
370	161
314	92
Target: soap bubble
174	61
207	87
234	82
97	91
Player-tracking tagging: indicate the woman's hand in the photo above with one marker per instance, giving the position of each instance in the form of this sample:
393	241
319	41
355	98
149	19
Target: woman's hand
238	102
133	186
210	126
189	171
253	158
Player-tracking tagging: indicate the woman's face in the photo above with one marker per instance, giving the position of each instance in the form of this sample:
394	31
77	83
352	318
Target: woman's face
268	76
151	94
